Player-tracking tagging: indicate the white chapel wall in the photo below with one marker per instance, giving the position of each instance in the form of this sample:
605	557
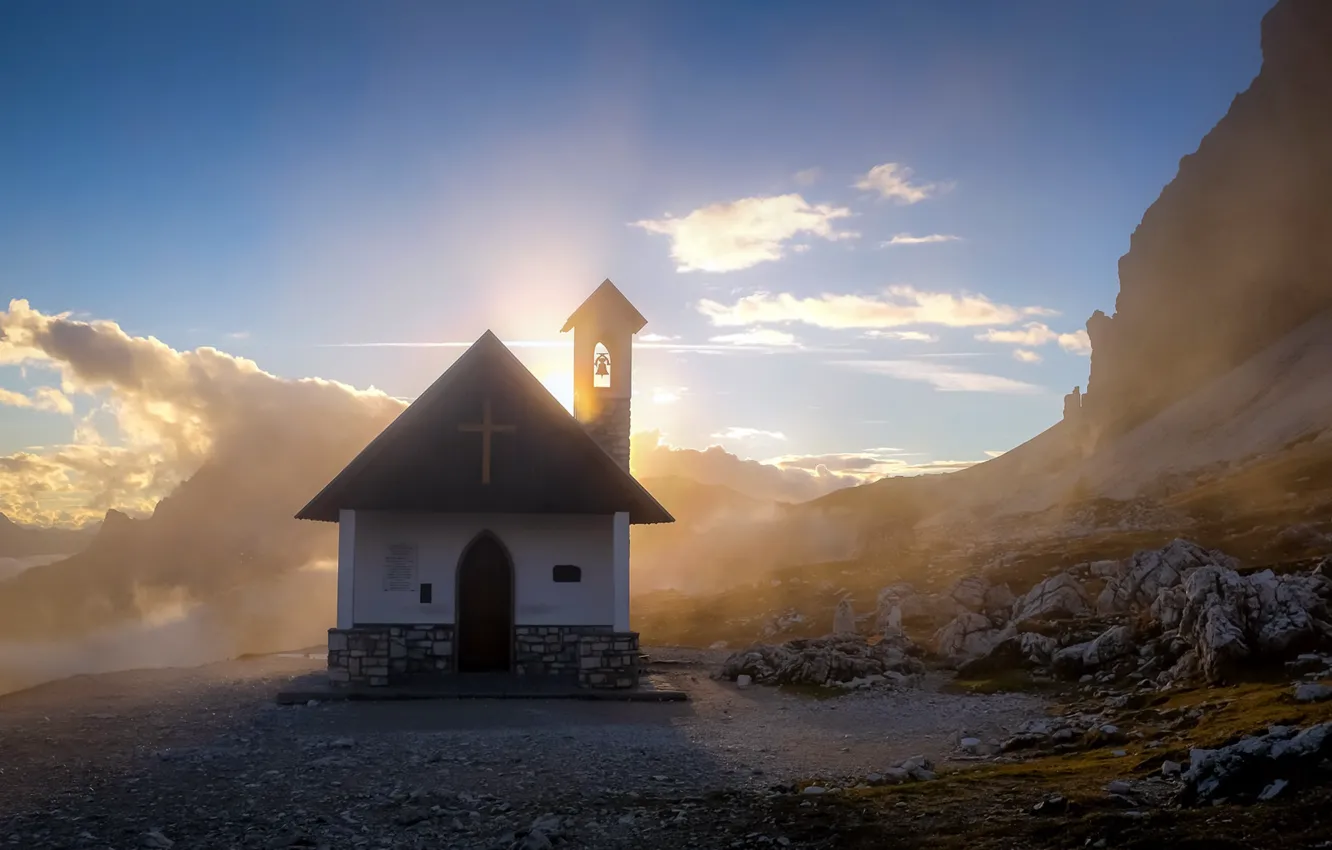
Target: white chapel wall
536	542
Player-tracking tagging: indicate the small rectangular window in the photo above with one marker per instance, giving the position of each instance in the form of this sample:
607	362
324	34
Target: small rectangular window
567	572
426	590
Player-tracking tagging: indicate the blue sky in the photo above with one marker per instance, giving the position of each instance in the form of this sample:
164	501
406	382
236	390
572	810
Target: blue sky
288	181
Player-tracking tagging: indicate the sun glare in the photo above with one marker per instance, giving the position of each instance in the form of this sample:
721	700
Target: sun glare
560	383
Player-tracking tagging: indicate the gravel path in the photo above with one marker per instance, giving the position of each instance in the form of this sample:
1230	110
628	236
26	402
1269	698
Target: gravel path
203	758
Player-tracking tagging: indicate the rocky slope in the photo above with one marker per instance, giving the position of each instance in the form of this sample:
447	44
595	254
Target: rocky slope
1234	254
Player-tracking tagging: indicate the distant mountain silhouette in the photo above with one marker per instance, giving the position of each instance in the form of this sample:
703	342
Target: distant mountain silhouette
21	541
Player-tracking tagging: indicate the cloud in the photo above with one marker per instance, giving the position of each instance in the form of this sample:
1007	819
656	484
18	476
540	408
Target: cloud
652	457
1022	355
1076	343
944	378
511	343
1038	333
993	454
734	433
758	341
908	239
808	176
43	398
904	336
758	336
900	305
869	464
667	395
893	180
160	415
953	354
739	234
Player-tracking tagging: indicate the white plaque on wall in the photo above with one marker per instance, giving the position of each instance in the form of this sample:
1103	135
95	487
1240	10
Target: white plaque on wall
400	567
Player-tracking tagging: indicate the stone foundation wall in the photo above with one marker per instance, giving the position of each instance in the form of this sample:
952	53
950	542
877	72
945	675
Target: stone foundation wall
377	656
383	655
550	650
608	660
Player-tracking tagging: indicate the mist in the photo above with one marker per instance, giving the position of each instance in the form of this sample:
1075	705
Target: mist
197	461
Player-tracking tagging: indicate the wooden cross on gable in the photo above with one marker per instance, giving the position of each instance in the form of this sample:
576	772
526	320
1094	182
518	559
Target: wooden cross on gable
486	427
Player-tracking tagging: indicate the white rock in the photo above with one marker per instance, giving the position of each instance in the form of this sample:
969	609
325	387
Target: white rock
823	661
901	602
1150	571
969	592
1058	597
1272	790
1111	645
968	636
999	601
844	618
1231	619
1171	768
1106	569
743	680
1312	692
814	790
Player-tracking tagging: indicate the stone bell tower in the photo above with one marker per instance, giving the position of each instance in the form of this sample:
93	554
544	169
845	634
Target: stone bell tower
604	326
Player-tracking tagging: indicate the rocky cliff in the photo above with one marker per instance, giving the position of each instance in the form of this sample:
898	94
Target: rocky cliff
1237	250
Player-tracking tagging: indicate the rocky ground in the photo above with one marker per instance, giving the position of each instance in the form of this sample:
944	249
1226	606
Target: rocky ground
1170	697
203	758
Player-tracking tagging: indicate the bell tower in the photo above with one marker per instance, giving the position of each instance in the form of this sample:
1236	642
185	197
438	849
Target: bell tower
604	326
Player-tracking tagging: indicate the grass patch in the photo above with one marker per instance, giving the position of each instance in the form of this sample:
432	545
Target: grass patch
1002	682
1230	713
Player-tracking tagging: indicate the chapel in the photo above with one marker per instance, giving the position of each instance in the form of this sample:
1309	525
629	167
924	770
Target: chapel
486	529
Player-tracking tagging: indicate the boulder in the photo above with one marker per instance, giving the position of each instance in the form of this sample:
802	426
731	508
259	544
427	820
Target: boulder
1106	569
1312	692
844	618
888	607
1233	620
782	623
1150	571
902	604
968	636
823	661
970	593
1113	644
1024	651
1057	598
999	601
1249	768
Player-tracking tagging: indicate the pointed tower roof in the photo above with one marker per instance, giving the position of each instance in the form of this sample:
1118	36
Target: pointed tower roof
608	302
430	458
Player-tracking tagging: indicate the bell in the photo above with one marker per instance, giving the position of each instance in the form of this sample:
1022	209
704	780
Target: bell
603	367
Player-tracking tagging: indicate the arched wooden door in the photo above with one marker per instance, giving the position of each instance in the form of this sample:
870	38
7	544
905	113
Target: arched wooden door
485	607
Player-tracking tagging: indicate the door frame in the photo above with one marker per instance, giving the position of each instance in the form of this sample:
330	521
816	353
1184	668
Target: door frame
460	610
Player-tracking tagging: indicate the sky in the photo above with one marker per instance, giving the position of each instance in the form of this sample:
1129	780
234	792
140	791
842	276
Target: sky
862	233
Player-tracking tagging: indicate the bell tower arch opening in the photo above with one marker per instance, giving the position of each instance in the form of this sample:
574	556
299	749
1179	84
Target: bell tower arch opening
601	367
604	326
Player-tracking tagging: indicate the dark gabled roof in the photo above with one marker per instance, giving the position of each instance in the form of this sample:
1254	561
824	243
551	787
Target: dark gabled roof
610	302
423	462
